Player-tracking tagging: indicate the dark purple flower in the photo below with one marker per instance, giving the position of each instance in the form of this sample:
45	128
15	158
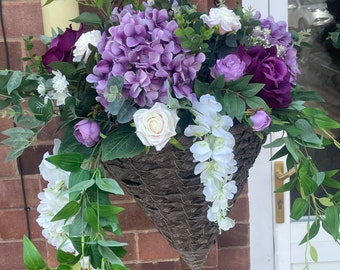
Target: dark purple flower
61	47
266	67
231	66
87	132
260	120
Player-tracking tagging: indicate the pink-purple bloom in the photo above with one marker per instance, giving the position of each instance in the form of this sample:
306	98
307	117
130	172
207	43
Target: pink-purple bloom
61	47
231	67
87	132
261	120
144	50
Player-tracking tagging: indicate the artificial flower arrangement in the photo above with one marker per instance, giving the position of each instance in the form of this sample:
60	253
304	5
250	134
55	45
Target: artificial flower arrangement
144	74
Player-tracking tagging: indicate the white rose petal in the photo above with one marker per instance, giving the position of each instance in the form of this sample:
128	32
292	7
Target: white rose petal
82	45
225	18
156	126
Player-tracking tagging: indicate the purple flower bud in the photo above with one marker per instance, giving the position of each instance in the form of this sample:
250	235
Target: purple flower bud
232	67
260	120
87	132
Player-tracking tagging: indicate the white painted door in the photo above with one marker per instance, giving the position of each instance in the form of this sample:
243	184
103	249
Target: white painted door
276	246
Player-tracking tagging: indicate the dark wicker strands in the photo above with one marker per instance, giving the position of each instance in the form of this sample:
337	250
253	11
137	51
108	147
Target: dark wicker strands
166	189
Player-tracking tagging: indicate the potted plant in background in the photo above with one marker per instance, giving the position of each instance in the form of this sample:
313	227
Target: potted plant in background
173	103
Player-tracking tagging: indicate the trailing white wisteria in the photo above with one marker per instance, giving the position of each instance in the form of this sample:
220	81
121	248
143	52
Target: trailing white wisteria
213	150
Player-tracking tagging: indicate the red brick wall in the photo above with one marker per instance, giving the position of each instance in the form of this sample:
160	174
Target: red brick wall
231	252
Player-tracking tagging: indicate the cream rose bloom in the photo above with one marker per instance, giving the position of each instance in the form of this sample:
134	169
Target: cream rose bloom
156	126
225	18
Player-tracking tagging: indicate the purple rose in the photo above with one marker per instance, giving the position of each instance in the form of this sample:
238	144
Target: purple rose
271	70
87	132
231	66
260	120
61	47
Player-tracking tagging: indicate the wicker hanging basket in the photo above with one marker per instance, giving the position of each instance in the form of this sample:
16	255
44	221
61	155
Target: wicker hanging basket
166	189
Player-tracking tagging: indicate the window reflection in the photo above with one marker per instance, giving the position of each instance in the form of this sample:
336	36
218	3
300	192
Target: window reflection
320	64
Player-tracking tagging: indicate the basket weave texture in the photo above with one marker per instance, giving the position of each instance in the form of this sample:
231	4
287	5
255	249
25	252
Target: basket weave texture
165	187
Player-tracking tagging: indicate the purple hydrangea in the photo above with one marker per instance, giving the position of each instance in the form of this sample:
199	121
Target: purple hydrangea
278	31
143	49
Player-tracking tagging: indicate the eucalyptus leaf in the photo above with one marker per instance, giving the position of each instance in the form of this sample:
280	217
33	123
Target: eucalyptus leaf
126	113
18	132
14	81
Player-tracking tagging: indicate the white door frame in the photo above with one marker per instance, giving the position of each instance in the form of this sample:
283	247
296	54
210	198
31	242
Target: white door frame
260	184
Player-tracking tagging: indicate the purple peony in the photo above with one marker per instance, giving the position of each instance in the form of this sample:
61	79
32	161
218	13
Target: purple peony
87	132
144	50
231	66
260	120
61	47
266	67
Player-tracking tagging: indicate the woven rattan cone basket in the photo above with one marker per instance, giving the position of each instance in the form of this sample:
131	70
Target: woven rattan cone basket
165	187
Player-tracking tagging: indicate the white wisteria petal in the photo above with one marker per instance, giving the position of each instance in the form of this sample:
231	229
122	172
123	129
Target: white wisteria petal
201	151
226	223
197	131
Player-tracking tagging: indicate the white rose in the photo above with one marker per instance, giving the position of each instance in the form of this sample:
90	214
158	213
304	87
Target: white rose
82	45
225	18
155	126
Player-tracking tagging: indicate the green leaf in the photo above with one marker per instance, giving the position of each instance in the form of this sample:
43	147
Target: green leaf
299	209
111	243
252	89
312	232
109	185
68	258
126	113
32	258
67	161
88	18
287	186
256	102
80	187
122	143
68	112
91	218
68	69
234	106
107	210
43	112
217	84
14	81
200	88
69	210
331	222
76	178
326	201
313	253
107	253
308	134
18	132
64	267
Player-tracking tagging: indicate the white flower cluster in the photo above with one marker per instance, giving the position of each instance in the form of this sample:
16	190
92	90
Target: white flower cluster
215	157
55	88
51	202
